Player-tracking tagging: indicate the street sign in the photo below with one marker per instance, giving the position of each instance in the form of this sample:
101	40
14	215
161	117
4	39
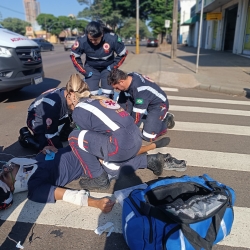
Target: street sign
214	16
167	23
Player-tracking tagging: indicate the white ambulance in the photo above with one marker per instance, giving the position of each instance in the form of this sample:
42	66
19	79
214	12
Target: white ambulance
20	61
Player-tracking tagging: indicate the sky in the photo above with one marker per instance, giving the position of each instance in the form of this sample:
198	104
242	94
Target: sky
15	8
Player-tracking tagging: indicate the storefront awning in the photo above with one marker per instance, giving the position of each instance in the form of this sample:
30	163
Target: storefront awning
190	21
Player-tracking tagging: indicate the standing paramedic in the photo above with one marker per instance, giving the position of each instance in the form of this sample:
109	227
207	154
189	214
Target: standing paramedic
140	97
48	119
104	51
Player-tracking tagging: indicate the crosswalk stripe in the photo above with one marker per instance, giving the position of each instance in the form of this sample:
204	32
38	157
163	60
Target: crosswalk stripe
68	215
209	110
210	159
195	99
170	89
212	128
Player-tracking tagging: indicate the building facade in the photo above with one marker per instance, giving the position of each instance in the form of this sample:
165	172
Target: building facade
32	10
230	29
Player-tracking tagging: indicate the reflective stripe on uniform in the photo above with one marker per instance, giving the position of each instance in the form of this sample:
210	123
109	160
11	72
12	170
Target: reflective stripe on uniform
63	117
101	58
152	90
49	136
81	139
123	52
107	91
148	135
38	102
94	92
98	113
141	111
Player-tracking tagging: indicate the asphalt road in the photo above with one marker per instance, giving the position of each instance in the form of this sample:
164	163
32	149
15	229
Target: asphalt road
212	134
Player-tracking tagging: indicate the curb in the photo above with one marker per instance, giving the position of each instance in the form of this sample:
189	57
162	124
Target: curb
221	89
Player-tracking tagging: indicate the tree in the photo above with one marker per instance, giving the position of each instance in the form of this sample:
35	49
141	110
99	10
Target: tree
129	29
55	25
15	25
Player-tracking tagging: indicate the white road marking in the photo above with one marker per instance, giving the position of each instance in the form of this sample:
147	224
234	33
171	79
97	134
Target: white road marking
170	89
210	159
68	215
212	128
209	110
195	99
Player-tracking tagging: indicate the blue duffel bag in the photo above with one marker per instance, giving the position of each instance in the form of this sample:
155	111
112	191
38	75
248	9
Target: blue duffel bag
178	213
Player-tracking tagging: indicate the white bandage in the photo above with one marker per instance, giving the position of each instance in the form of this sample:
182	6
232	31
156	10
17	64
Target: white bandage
76	197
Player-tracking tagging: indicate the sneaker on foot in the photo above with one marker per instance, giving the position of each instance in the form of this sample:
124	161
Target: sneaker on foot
101	182
172	163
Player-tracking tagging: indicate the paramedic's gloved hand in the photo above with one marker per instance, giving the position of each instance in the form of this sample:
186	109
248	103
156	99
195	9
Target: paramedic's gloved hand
162	142
4	186
109	68
50	148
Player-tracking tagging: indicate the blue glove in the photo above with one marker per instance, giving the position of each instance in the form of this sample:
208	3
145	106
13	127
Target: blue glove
89	74
108	68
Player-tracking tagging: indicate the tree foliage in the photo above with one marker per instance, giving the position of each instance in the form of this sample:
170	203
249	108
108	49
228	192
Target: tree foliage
114	12
129	29
55	25
15	25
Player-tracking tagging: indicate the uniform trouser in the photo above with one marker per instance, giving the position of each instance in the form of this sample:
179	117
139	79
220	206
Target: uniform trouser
65	168
94	80
50	174
90	146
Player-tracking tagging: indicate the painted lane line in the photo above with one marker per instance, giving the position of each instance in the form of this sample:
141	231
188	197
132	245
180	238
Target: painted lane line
212	128
195	99
169	89
209	110
68	215
210	159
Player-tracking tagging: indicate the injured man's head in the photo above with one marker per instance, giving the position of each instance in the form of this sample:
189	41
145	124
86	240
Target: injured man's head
15	174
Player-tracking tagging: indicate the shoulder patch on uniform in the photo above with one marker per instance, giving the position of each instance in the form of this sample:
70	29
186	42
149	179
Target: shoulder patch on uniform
112	33
110	104
119	39
75	45
139	101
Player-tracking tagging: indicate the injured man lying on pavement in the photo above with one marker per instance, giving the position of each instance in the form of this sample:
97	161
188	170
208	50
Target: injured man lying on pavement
45	179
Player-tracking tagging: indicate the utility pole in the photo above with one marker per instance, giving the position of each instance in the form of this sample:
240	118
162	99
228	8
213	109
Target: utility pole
137	49
199	37
174	30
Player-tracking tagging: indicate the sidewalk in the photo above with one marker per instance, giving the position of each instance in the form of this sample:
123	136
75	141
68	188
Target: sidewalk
218	71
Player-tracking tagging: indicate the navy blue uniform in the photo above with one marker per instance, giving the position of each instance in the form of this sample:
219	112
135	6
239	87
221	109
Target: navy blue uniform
100	59
64	169
47	115
146	98
106	131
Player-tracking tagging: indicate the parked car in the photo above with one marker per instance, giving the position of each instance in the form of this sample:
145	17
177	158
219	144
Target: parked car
68	42
152	42
44	44
20	61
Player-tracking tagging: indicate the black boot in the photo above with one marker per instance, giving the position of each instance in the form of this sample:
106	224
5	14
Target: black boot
101	182
170	121
156	163
26	139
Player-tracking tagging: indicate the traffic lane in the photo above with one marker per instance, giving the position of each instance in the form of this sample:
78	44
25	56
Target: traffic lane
40	237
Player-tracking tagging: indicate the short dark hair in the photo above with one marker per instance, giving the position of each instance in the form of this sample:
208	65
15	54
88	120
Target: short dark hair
96	29
116	75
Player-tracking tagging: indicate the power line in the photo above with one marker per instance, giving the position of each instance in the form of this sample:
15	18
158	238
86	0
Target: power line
15	11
